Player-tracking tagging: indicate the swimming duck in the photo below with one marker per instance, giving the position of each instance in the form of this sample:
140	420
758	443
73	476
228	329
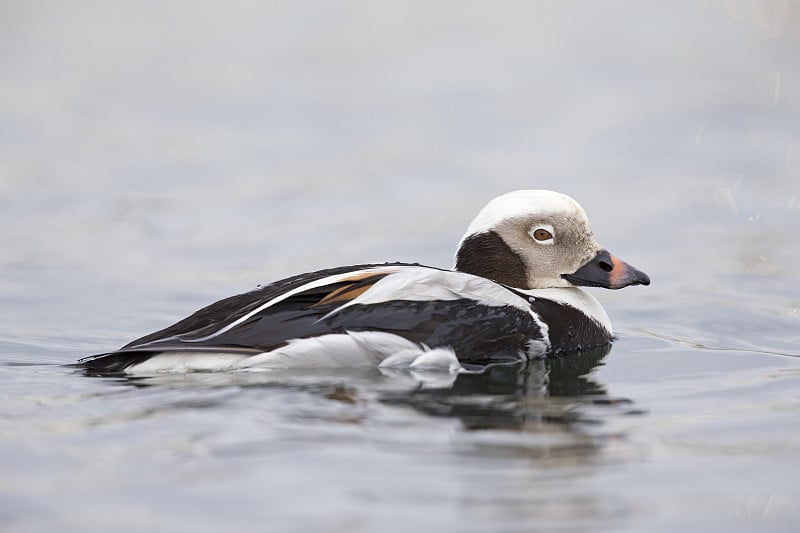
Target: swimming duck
512	294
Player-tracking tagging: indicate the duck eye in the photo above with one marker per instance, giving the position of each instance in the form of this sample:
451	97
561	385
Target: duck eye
541	235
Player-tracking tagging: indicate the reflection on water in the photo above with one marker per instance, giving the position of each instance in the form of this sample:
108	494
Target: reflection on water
523	396
526	396
552	411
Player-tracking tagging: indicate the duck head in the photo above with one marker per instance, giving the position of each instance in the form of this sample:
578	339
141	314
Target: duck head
538	239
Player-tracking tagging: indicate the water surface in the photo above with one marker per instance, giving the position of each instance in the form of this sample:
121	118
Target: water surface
154	159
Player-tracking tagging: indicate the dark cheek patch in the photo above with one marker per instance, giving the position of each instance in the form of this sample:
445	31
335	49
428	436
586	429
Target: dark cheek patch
487	255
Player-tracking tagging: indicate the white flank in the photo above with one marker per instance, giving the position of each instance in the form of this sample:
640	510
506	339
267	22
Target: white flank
401	360
440	359
351	349
423	359
336	350
187	362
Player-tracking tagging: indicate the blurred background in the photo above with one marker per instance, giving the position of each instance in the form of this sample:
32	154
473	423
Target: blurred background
203	142
156	156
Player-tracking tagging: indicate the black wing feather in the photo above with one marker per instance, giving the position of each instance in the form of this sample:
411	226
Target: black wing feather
215	316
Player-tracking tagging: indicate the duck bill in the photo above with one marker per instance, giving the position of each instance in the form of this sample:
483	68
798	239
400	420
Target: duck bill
605	270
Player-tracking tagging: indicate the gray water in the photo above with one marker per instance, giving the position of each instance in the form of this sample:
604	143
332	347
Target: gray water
155	158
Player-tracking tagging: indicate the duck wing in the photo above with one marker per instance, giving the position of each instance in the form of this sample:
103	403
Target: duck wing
477	319
218	315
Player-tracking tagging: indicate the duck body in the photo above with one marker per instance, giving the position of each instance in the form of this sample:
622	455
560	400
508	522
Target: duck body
493	306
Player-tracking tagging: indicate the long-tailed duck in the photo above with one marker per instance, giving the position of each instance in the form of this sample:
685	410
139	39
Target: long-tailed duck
512	294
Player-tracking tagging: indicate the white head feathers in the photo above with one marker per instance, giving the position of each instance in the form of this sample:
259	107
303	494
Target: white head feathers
524	204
